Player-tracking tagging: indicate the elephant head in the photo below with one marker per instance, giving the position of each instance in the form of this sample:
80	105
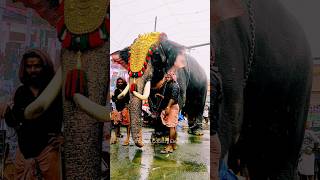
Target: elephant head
148	59
82	145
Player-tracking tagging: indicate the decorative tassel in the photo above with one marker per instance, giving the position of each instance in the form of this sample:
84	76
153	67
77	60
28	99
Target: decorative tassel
133	86
94	39
66	43
145	103
76	81
145	106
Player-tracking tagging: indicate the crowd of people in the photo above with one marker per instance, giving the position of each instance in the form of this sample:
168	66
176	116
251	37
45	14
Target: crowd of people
307	160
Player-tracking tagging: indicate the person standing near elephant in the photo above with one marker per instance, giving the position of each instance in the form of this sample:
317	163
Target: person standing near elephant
170	109
121	116
38	139
206	114
306	167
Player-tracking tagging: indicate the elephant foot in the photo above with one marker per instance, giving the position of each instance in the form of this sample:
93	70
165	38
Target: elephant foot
174	146
114	139
126	142
139	142
196	132
168	149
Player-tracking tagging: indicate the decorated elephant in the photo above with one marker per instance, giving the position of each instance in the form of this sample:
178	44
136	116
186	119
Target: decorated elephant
148	59
266	76
83	78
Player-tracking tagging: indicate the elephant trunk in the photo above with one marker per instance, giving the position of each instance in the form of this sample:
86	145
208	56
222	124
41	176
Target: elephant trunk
135	109
231	65
83	134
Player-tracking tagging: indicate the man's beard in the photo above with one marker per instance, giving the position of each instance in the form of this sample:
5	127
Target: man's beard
38	81
122	86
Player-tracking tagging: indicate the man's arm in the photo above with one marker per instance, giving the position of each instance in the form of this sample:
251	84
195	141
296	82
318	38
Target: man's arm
14	116
116	93
11	118
173	96
3	109
171	102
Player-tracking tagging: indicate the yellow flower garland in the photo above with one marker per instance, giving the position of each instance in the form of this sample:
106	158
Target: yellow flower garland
139	50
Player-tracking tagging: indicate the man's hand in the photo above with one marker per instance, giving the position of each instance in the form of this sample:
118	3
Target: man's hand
56	141
167	110
159	95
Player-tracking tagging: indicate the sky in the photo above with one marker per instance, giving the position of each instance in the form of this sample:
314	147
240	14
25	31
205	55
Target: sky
307	14
184	21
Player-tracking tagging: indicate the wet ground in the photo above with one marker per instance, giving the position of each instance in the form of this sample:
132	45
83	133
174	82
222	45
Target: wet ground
190	161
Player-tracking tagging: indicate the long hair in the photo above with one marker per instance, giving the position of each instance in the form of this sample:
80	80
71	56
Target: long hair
47	66
123	85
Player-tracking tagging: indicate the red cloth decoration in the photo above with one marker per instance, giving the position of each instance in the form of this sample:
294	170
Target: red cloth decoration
66	43
133	87
95	39
75	83
60	25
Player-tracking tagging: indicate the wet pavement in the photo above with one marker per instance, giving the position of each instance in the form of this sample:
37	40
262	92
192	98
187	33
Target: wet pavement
190	161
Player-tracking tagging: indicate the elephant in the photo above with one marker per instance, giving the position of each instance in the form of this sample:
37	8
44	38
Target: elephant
83	113
190	77
265	64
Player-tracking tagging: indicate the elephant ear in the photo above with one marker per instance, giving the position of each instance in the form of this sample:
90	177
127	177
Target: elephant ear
169	50
121	57
224	9
49	10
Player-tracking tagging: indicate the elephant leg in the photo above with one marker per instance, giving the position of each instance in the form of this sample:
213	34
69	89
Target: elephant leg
194	110
83	134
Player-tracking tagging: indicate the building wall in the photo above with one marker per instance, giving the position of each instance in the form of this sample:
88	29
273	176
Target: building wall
20	29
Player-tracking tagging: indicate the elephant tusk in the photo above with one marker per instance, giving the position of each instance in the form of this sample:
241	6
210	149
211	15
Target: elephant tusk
41	104
146	92
124	92
93	109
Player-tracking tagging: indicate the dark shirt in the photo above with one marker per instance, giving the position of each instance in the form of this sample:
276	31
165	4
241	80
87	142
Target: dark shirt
34	135
120	103
170	90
